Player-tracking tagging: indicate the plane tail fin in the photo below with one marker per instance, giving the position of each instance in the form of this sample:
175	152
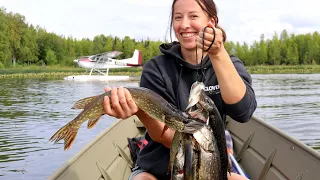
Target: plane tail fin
135	60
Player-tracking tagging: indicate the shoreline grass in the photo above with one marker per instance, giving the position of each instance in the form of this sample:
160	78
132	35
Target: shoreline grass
60	72
281	69
57	72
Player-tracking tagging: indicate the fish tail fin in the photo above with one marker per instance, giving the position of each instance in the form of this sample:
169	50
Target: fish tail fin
67	134
92	122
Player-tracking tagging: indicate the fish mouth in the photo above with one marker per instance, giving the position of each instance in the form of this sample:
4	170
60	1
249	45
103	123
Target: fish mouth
193	126
195	93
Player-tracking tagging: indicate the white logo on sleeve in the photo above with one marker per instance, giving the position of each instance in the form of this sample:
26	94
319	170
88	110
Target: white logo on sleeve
212	89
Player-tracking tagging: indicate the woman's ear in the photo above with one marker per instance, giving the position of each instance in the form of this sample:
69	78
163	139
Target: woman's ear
213	22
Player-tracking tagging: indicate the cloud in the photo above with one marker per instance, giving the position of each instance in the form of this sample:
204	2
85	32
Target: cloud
243	20
246	20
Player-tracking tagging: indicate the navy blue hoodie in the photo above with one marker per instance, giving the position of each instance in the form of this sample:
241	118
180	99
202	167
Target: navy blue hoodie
171	76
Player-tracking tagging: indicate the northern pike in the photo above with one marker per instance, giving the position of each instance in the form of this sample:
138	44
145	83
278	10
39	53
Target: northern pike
205	150
186	166
218	128
147	100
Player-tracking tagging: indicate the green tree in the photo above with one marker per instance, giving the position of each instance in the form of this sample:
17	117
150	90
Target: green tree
28	52
274	50
86	46
239	51
292	56
51	58
229	46
15	23
247	58
117	44
308	49
263	51
70	51
98	44
284	37
109	44
5	52
128	47
315	49
255	54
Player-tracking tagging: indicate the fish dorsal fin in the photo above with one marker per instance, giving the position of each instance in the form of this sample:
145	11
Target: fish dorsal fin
82	103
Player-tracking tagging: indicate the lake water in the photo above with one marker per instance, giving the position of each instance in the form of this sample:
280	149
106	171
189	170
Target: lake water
32	110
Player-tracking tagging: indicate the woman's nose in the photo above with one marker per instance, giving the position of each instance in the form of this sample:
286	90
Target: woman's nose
185	23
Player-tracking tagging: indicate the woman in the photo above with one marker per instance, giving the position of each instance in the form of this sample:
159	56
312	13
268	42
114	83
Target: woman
172	74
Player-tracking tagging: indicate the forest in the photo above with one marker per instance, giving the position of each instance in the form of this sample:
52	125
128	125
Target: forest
23	44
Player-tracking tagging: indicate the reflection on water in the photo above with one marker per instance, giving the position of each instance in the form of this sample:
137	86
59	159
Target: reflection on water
32	110
291	103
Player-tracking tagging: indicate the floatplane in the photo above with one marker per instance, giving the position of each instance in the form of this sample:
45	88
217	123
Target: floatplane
101	63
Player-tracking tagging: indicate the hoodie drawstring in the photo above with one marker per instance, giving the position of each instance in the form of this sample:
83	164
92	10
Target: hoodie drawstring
203	77
177	94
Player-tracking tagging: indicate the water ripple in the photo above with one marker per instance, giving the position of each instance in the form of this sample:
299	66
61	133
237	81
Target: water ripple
291	103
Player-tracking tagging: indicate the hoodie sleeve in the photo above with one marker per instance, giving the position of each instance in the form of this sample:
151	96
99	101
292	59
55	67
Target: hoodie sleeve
243	110
152	78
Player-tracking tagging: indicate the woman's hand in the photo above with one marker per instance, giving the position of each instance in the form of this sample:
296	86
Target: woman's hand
208	36
120	104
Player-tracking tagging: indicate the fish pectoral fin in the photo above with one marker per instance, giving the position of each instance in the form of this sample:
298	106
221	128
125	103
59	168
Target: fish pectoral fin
92	122
82	103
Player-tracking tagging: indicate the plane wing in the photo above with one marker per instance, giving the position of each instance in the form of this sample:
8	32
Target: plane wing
102	57
110	54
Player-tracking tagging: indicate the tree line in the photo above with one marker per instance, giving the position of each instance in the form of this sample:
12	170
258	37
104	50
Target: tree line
25	44
288	49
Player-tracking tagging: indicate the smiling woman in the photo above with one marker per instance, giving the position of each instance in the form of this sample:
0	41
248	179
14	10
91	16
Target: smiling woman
172	74
184	16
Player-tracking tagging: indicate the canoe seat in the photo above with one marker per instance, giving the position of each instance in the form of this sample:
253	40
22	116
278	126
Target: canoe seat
123	155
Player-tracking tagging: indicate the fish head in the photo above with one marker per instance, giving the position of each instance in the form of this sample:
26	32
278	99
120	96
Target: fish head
195	92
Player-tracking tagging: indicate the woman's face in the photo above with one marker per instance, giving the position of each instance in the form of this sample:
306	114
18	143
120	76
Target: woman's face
188	20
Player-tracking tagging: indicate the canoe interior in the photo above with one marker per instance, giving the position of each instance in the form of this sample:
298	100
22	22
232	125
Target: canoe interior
100	156
270	153
263	152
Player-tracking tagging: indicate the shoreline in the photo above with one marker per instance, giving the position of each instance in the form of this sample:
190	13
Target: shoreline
58	72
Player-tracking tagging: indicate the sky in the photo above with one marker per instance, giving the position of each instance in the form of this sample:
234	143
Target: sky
243	20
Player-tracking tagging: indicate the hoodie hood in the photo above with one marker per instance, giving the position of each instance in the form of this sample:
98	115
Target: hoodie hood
173	51
186	73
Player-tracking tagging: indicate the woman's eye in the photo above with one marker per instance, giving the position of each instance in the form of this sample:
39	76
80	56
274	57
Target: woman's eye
194	16
177	17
